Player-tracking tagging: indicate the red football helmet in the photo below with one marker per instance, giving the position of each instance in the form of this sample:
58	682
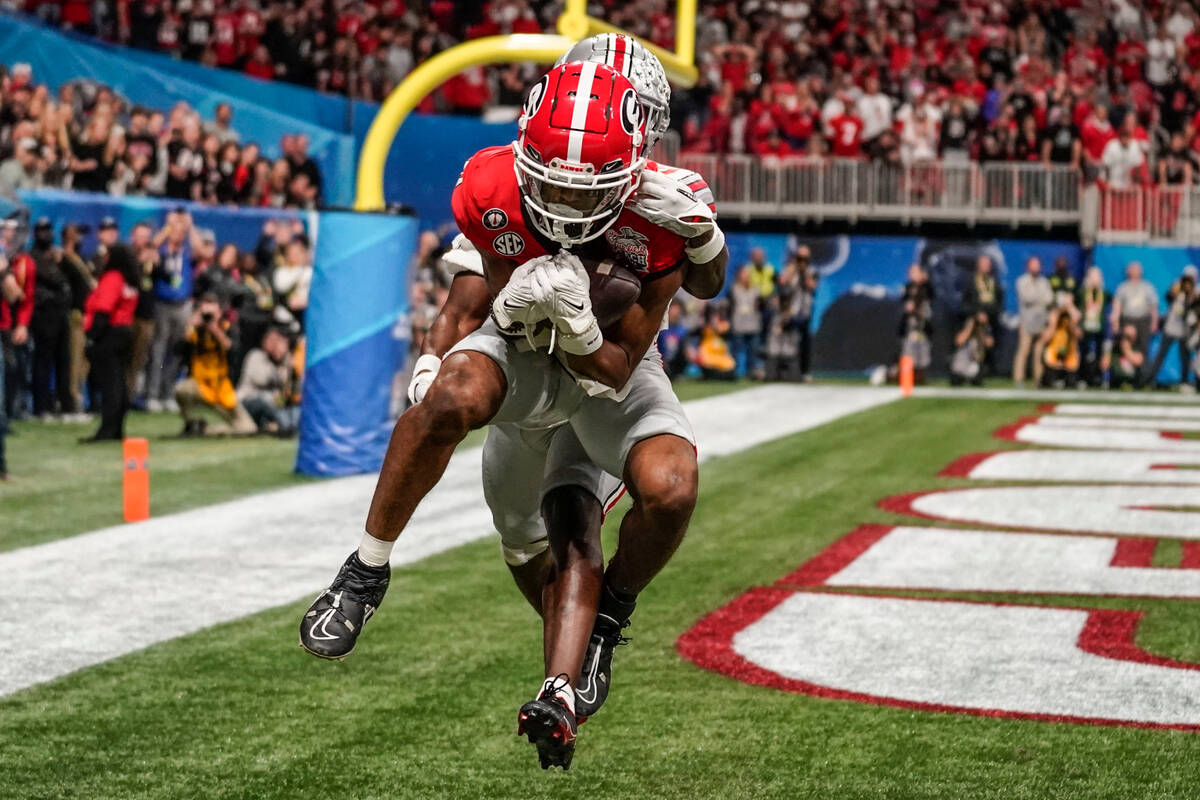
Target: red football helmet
579	152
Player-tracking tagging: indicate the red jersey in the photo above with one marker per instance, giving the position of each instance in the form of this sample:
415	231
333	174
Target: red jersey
488	209
845	135
111	296
25	271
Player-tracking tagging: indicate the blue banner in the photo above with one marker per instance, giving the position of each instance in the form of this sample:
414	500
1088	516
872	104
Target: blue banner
239	226
357	340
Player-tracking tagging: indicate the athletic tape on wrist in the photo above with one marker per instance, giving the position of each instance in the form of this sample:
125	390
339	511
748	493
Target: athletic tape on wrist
427	363
706	252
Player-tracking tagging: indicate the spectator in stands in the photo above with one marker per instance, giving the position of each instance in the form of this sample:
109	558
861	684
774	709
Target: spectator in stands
745	336
1124	159
267	386
971	346
222	125
209	384
23	170
1182	298
1060	141
1092	304
984	295
1035	297
301	163
108	321
1135	304
874	109
173	281
51	328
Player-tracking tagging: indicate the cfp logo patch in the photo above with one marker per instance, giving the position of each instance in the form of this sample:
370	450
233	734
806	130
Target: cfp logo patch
630	244
494	219
508	244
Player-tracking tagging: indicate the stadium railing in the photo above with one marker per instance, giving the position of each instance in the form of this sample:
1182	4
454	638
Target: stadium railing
753	187
1168	215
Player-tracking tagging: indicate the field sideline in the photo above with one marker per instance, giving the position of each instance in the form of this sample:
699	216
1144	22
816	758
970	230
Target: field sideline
426	706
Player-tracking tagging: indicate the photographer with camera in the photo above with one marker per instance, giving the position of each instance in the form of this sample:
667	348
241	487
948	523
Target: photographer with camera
108	321
209	383
1181	301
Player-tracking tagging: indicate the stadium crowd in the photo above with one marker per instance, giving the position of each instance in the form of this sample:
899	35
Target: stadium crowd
1004	80
169	320
88	138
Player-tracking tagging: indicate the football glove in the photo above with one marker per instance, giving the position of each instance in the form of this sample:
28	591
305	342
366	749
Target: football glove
670	205
561	287
515	307
424	371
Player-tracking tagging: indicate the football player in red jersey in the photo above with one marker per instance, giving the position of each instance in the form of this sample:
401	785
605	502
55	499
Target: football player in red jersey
578	160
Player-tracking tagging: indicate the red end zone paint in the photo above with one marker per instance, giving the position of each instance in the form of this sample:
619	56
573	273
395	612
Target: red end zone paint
1191	556
1133	553
961	467
1009	432
709	645
1047	408
836	557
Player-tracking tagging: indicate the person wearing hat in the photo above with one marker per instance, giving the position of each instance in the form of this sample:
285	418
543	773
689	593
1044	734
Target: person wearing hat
81	275
23	170
51	327
1181	318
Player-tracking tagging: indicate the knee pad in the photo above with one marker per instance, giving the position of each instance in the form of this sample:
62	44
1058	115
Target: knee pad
516	555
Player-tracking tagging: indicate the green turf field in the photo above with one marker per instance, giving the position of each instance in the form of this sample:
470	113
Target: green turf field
426	706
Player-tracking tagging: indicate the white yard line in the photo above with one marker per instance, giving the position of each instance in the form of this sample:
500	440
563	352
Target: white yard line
103	594
1056	395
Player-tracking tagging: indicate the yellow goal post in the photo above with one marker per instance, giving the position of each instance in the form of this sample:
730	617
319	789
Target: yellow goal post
542	48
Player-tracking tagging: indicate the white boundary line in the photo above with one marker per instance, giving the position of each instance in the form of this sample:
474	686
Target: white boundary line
100	595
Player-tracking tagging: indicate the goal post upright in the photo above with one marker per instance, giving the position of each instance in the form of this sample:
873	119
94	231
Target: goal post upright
542	48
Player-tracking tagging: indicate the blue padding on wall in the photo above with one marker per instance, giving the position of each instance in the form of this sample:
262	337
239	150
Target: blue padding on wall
356	342
258	115
239	226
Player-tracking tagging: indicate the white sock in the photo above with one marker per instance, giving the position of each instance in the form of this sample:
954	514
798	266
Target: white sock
563	690
374	552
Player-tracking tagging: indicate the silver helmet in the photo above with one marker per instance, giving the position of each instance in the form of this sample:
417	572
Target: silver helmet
643	69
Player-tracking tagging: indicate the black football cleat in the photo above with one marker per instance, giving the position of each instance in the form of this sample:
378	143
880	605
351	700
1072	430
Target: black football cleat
550	725
595	678
337	616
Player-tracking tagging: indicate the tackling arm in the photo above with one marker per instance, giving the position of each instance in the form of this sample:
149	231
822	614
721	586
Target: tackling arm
705	279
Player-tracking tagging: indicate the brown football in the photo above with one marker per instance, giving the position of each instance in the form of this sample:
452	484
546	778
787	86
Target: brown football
614	289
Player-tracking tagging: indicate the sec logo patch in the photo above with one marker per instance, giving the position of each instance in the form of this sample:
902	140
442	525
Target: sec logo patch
508	244
494	219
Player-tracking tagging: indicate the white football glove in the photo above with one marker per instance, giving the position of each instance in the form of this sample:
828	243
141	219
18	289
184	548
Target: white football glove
515	307
424	371
669	204
561	287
